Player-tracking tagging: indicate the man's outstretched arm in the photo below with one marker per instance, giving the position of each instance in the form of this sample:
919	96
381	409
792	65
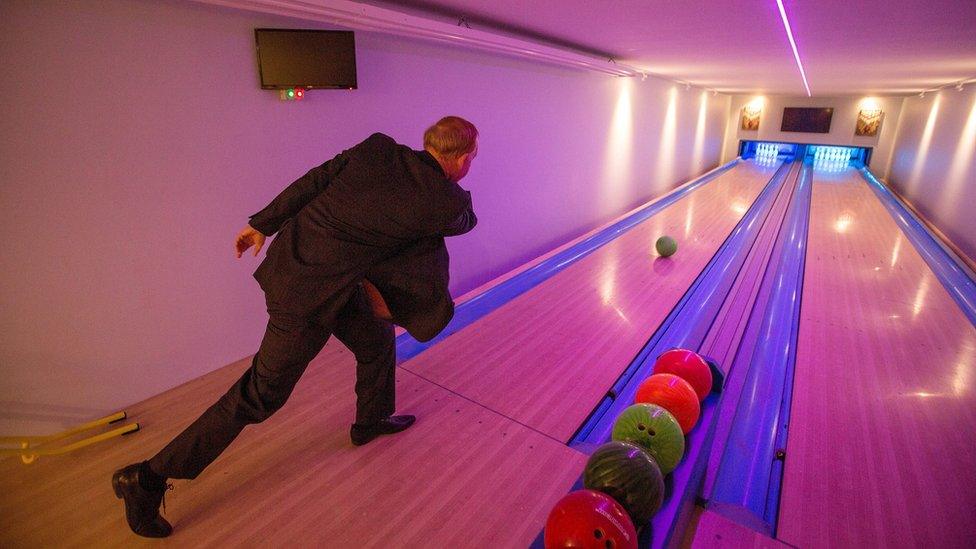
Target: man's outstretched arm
297	195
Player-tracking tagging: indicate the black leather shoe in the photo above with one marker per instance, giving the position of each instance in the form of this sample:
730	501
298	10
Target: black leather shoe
141	505
361	434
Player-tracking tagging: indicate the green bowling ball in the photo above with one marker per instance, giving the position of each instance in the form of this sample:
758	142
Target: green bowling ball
666	246
654	429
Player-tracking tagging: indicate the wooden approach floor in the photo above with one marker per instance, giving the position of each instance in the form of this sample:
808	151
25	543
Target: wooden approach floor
482	467
461	473
881	449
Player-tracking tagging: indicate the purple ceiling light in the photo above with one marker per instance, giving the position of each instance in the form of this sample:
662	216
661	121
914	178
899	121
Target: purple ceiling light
796	54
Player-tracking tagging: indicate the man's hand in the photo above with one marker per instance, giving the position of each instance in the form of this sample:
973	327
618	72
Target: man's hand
376	302
249	236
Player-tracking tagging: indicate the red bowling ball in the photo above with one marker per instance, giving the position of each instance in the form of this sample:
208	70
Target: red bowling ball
675	395
689	366
588	519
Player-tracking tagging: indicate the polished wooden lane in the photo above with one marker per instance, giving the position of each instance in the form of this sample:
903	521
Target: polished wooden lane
881	448
546	358
462	475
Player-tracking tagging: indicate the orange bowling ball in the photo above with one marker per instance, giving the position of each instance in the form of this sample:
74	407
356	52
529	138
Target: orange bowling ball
689	366
674	395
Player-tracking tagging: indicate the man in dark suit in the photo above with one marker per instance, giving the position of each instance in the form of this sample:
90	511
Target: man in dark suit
359	246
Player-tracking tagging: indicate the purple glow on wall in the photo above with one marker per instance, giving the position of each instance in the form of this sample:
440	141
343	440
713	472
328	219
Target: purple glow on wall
796	53
128	153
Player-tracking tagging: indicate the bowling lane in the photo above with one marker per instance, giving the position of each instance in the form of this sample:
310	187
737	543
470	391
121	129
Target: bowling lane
880	450
547	357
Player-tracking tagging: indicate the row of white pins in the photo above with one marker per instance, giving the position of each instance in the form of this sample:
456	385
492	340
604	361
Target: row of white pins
832	158
766	153
832	153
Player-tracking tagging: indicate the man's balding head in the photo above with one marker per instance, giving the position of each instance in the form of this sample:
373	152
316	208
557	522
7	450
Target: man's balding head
453	141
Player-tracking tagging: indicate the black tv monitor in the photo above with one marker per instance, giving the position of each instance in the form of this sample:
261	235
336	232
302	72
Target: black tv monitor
294	58
807	120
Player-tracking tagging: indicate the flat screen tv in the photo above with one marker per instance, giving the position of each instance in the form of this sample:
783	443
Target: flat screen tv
807	120
292	58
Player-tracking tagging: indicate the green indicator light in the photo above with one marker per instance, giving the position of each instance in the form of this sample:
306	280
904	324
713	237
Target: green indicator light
291	93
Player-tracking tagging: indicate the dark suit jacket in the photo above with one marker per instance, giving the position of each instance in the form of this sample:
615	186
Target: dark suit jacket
379	211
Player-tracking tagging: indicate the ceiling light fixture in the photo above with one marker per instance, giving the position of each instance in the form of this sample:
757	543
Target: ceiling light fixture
796	53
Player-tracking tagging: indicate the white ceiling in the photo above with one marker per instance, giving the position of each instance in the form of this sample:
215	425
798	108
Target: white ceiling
847	47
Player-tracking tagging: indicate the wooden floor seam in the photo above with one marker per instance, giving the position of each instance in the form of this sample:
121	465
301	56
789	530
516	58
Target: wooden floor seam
476	403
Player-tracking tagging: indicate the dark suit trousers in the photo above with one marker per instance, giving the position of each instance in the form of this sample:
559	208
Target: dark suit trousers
288	346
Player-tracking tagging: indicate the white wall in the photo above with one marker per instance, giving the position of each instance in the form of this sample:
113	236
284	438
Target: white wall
934	162
841	128
137	141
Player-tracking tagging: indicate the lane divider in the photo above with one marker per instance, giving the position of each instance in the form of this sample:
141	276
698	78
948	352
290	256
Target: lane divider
749	477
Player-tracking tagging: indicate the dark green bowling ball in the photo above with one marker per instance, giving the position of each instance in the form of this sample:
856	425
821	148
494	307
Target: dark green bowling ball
625	472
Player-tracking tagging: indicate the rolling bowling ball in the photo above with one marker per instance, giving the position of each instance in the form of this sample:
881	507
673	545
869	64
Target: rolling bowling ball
589	519
689	366
654	429
625	472
666	246
674	395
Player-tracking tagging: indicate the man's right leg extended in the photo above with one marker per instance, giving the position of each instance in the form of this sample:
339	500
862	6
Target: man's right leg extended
288	346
